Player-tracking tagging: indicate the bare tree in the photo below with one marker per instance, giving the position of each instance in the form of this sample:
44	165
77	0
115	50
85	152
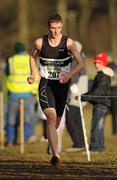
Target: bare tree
113	27
23	21
62	10
86	10
72	24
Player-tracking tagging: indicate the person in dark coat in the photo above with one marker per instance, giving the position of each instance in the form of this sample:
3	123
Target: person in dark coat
98	97
113	109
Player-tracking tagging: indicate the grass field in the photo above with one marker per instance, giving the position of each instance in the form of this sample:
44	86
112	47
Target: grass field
35	162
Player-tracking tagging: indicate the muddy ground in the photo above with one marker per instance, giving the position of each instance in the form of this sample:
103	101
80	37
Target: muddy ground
35	162
19	168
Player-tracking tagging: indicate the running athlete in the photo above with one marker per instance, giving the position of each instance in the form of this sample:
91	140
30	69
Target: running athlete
55	52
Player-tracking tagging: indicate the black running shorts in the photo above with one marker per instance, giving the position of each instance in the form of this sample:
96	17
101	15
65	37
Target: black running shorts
53	94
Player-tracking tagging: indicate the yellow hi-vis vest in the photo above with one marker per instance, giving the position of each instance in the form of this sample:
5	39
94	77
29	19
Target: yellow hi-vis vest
19	70
35	84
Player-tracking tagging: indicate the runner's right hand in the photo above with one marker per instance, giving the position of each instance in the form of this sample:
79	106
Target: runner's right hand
30	79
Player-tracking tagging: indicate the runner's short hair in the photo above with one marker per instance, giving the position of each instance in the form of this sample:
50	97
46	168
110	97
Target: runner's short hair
53	17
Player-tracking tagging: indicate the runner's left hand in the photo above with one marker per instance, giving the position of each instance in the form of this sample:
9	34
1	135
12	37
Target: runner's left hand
64	77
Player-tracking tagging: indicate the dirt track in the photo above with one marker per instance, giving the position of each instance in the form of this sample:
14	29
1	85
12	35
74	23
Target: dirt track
28	169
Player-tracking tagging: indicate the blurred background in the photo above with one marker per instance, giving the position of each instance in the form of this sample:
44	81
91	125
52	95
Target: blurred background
92	22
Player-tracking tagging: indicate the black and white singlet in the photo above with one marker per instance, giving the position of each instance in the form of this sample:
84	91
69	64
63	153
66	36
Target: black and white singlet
53	60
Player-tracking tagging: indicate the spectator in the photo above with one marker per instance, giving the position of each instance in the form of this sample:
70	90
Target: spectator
79	82
34	91
17	70
113	108
98	96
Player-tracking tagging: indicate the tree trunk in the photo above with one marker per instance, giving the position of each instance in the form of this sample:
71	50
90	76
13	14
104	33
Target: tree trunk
72	24
23	21
86	10
62	10
113	27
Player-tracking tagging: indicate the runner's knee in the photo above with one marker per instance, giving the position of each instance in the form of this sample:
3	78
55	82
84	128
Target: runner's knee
51	118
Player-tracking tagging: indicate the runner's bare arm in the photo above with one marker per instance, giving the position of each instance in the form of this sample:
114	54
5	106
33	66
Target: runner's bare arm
64	77
34	54
32	60
76	55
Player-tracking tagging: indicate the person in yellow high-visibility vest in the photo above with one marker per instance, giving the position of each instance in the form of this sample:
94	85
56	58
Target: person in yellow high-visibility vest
17	71
34	90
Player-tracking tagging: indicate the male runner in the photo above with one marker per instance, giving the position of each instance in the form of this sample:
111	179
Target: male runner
55	51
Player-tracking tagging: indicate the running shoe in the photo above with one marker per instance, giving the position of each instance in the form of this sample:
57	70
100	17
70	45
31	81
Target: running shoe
75	149
55	160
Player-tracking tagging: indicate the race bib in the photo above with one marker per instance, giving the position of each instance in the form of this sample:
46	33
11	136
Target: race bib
50	72
51	68
53	72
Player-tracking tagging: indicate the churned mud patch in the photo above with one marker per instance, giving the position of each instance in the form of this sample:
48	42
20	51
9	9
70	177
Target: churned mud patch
19	168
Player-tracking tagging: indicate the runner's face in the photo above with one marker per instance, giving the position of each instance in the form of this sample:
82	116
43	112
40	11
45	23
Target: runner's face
55	29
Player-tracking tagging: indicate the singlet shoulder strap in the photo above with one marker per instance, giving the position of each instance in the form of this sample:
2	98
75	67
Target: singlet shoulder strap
44	40
64	37
64	40
45	37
